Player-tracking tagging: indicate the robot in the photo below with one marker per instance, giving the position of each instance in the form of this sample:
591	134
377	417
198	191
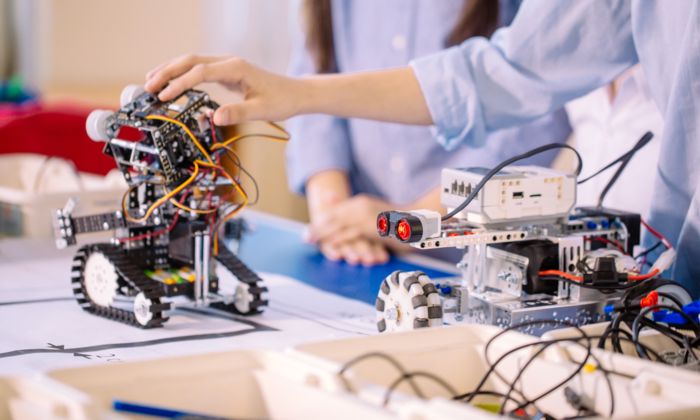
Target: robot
165	246
528	254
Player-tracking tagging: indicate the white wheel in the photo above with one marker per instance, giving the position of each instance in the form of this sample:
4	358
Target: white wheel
407	301
142	309
129	93
100	278
96	125
242	298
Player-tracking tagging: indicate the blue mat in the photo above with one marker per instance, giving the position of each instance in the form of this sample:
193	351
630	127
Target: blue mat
280	250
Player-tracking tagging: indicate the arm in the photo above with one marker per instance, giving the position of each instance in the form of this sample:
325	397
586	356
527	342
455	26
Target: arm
552	53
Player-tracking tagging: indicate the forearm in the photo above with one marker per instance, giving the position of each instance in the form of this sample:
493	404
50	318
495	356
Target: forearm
325	189
392	95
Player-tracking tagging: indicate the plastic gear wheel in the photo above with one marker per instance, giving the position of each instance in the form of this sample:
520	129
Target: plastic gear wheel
142	309
101	279
407	301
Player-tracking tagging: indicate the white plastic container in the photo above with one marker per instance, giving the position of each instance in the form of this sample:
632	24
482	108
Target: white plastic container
234	384
456	355
32	187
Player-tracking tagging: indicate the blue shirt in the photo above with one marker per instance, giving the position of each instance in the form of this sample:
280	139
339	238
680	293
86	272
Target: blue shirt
399	163
555	51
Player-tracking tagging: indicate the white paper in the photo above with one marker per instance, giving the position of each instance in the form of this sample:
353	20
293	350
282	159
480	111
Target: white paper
38	335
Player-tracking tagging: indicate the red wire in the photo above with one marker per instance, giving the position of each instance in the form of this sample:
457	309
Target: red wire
159	232
608	242
658	235
571	277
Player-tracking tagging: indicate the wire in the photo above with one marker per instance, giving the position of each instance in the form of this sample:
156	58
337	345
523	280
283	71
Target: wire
169	228
649	250
658	235
490	174
637	324
579	279
395	363
161	200
186	130
607	242
237	161
643	141
406	376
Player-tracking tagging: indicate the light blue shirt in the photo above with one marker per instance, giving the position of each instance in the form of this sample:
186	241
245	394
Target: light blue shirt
555	51
396	162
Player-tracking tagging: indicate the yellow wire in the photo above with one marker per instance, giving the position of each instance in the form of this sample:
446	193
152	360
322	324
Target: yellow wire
238	188
284	137
164	198
186	129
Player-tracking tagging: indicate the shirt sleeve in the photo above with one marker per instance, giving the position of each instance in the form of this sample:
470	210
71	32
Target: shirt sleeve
552	53
318	142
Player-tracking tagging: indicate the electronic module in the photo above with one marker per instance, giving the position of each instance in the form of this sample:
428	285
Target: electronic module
183	188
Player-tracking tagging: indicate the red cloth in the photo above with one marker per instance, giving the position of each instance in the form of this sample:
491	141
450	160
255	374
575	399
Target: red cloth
52	131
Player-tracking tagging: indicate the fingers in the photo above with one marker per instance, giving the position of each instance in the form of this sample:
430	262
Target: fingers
248	110
165	74
363	251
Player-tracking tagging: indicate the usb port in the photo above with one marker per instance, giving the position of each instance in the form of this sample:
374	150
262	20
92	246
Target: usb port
518	195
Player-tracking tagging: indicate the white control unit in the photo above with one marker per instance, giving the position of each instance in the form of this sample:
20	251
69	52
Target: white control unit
518	194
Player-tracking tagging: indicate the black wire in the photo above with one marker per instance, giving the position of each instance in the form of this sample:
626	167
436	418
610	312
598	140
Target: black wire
671	298
643	141
649	250
490	174
636	327
410	375
395	363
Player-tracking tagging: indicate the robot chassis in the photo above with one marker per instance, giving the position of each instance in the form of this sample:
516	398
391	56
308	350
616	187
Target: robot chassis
166	259
521	223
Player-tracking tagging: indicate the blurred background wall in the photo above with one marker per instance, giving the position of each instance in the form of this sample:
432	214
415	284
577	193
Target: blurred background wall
86	51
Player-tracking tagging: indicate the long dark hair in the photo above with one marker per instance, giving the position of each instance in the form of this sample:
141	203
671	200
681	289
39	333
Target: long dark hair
477	18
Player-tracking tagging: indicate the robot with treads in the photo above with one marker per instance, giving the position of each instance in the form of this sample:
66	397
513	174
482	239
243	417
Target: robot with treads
529	255
183	187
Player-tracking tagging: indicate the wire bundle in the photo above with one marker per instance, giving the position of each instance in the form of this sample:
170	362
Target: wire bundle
203	175
514	401
634	313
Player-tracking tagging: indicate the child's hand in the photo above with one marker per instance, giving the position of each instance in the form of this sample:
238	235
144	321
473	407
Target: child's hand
267	96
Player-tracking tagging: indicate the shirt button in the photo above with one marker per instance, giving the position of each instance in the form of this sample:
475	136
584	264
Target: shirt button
398	42
397	164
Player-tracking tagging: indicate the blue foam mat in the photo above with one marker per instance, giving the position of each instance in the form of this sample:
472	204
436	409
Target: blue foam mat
280	250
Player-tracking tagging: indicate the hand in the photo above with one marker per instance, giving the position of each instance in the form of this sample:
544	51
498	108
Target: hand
365	251
349	220
266	96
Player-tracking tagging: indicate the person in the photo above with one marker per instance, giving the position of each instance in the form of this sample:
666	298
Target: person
552	53
349	169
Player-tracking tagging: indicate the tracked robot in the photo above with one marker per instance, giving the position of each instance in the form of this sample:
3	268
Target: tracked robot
528	253
183	186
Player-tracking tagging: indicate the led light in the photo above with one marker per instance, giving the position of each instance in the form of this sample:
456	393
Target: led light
403	230
382	225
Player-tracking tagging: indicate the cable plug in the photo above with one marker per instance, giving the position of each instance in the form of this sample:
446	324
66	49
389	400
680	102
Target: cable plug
578	401
664	261
651	299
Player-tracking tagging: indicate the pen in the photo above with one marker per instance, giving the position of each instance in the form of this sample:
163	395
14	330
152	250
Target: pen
150	410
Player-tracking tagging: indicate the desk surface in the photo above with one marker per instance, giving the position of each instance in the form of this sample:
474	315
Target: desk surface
311	299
